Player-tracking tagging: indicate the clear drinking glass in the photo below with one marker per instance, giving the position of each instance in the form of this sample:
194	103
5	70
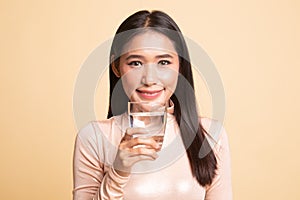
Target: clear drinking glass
151	116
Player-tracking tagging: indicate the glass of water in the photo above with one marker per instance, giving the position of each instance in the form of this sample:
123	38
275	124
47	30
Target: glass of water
151	116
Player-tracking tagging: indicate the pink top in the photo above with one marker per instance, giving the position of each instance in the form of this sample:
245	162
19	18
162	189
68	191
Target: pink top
168	177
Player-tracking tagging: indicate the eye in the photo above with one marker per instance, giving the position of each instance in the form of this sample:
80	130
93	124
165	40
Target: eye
135	63
164	62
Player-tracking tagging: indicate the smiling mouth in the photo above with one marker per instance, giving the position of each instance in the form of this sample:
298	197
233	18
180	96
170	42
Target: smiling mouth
146	94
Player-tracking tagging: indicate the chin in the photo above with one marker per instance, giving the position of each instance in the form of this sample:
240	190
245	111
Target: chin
160	99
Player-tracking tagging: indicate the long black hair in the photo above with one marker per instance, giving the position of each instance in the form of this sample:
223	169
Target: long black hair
191	129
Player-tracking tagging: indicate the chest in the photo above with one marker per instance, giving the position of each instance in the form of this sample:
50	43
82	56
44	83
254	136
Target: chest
174	181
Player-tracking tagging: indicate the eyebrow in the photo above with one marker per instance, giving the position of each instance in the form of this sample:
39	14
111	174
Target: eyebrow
141	57
164	56
134	56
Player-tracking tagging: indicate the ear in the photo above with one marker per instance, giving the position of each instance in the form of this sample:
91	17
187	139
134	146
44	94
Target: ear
114	67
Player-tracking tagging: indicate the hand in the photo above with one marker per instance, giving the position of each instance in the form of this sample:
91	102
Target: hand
133	149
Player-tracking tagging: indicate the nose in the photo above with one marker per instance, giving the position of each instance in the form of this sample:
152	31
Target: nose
149	75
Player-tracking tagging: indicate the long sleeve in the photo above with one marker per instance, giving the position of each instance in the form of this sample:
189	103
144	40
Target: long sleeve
221	188
91	180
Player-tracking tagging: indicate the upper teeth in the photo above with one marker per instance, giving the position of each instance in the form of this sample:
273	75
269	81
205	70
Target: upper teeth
150	93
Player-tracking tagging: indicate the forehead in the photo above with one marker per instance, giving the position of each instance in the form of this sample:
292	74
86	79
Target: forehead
149	40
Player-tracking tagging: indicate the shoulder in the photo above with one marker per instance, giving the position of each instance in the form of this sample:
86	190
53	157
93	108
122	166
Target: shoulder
215	133
92	133
221	186
102	132
205	121
92	128
212	125
99	140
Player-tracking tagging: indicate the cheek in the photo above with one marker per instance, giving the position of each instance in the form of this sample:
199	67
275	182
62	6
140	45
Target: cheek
130	81
169	79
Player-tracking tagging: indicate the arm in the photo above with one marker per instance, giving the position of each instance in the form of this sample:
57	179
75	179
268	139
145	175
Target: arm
90	181
221	188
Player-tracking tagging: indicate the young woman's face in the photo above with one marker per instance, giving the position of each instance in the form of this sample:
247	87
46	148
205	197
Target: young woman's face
149	68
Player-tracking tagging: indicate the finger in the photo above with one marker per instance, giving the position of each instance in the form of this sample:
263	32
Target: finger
136	130
127	158
126	137
130	156
130	132
158	138
143	151
149	142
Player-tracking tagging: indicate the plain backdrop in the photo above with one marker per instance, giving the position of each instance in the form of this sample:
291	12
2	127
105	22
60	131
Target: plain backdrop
254	45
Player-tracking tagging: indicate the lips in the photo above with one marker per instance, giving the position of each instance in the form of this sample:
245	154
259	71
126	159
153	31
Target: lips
149	94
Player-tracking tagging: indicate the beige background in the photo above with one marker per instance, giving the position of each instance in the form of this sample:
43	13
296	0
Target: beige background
254	45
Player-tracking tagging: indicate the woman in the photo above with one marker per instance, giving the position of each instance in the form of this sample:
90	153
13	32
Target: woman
150	62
